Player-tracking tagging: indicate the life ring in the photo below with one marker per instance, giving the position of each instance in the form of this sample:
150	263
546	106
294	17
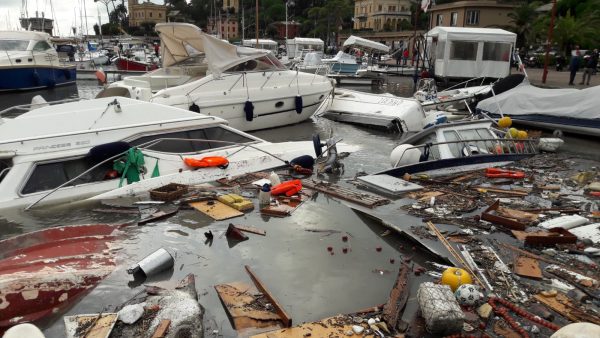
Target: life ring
206	162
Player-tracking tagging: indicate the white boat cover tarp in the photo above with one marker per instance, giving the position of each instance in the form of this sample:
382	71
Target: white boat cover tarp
307	41
526	99
176	38
355	41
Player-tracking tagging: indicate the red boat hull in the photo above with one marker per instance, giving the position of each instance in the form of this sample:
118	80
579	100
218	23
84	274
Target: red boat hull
131	65
45	271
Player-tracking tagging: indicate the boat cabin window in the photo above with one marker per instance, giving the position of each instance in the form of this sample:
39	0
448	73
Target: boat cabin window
471	138
47	176
496	51
10	45
463	50
434	151
41	46
192	140
5	166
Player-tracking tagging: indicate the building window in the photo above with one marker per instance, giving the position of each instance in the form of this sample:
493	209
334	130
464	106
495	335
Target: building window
472	17
160	15
380	8
150	14
440	19
453	18
463	50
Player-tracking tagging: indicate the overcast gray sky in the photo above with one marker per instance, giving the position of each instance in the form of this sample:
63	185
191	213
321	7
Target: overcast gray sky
67	13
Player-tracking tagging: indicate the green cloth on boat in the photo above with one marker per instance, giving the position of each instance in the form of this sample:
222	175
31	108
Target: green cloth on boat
156	172
130	166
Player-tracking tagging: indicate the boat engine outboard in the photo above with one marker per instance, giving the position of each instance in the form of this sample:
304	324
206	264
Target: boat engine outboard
331	164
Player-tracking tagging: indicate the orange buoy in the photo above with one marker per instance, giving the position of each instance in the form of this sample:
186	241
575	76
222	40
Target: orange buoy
207	162
101	76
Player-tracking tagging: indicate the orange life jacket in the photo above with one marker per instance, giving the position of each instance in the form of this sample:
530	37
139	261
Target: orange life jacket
205	162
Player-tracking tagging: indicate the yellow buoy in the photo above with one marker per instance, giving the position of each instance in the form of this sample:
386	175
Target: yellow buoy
514	132
522	135
505	122
455	277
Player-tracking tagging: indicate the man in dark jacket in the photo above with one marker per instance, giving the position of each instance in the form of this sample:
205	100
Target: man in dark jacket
591	62
574	65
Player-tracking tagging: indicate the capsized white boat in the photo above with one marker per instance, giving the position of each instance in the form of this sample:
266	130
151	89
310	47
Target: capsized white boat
379	110
250	88
453	97
67	152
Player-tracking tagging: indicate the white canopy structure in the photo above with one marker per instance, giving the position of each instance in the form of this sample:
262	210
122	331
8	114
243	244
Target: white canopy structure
461	52
177	38
298	47
358	42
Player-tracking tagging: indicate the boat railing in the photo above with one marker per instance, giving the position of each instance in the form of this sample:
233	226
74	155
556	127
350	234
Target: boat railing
473	147
17	110
465	84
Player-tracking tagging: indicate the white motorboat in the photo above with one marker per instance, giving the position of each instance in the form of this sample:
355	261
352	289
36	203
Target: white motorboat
28	61
312	63
378	110
453	97
249	88
66	152
456	147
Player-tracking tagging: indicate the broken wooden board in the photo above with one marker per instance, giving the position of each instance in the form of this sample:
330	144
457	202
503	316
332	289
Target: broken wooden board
285	206
216	210
285	318
424	196
527	267
161	214
522	235
354	196
513	192
90	326
518	215
246	306
243	179
393	309
336	326
251	229
162	328
561	303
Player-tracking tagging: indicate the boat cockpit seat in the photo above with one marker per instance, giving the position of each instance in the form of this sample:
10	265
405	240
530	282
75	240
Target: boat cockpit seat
114	91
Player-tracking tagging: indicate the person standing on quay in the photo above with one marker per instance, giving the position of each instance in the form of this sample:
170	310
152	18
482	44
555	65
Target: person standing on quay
574	65
591	62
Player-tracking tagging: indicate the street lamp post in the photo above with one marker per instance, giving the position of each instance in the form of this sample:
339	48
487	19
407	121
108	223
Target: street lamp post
549	44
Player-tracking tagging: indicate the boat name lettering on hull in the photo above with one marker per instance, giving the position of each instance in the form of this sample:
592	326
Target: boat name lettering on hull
61	145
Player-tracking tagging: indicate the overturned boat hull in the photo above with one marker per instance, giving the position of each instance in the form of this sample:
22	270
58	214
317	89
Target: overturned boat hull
44	272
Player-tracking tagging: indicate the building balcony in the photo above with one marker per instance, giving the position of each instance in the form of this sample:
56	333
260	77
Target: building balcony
392	13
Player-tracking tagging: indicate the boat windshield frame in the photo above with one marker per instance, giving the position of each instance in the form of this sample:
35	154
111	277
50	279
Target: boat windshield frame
251	65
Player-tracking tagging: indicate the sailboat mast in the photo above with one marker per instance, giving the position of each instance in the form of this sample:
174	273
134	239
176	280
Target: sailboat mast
86	22
256	24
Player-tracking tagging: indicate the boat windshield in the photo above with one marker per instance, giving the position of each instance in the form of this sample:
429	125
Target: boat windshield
11	45
263	63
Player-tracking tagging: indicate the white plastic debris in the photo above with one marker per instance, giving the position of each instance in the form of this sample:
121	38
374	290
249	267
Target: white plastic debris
550	144
578	330
357	329
131	313
565	222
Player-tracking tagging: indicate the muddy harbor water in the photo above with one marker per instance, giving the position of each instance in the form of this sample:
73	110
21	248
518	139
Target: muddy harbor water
292	259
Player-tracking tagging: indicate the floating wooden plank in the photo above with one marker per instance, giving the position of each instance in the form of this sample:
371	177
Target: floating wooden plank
561	303
501	191
360	198
393	309
90	325
162	328
245	306
243	179
527	267
162	214
251	229
329	327
285	318
521	235
286	205
216	210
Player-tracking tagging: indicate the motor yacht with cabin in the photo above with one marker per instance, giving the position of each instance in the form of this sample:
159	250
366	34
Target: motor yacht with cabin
28	61
249	88
68	151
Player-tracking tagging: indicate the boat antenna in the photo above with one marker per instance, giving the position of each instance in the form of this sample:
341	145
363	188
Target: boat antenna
257	23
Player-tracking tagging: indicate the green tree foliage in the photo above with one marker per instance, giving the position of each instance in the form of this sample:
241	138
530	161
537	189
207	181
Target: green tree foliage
523	19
